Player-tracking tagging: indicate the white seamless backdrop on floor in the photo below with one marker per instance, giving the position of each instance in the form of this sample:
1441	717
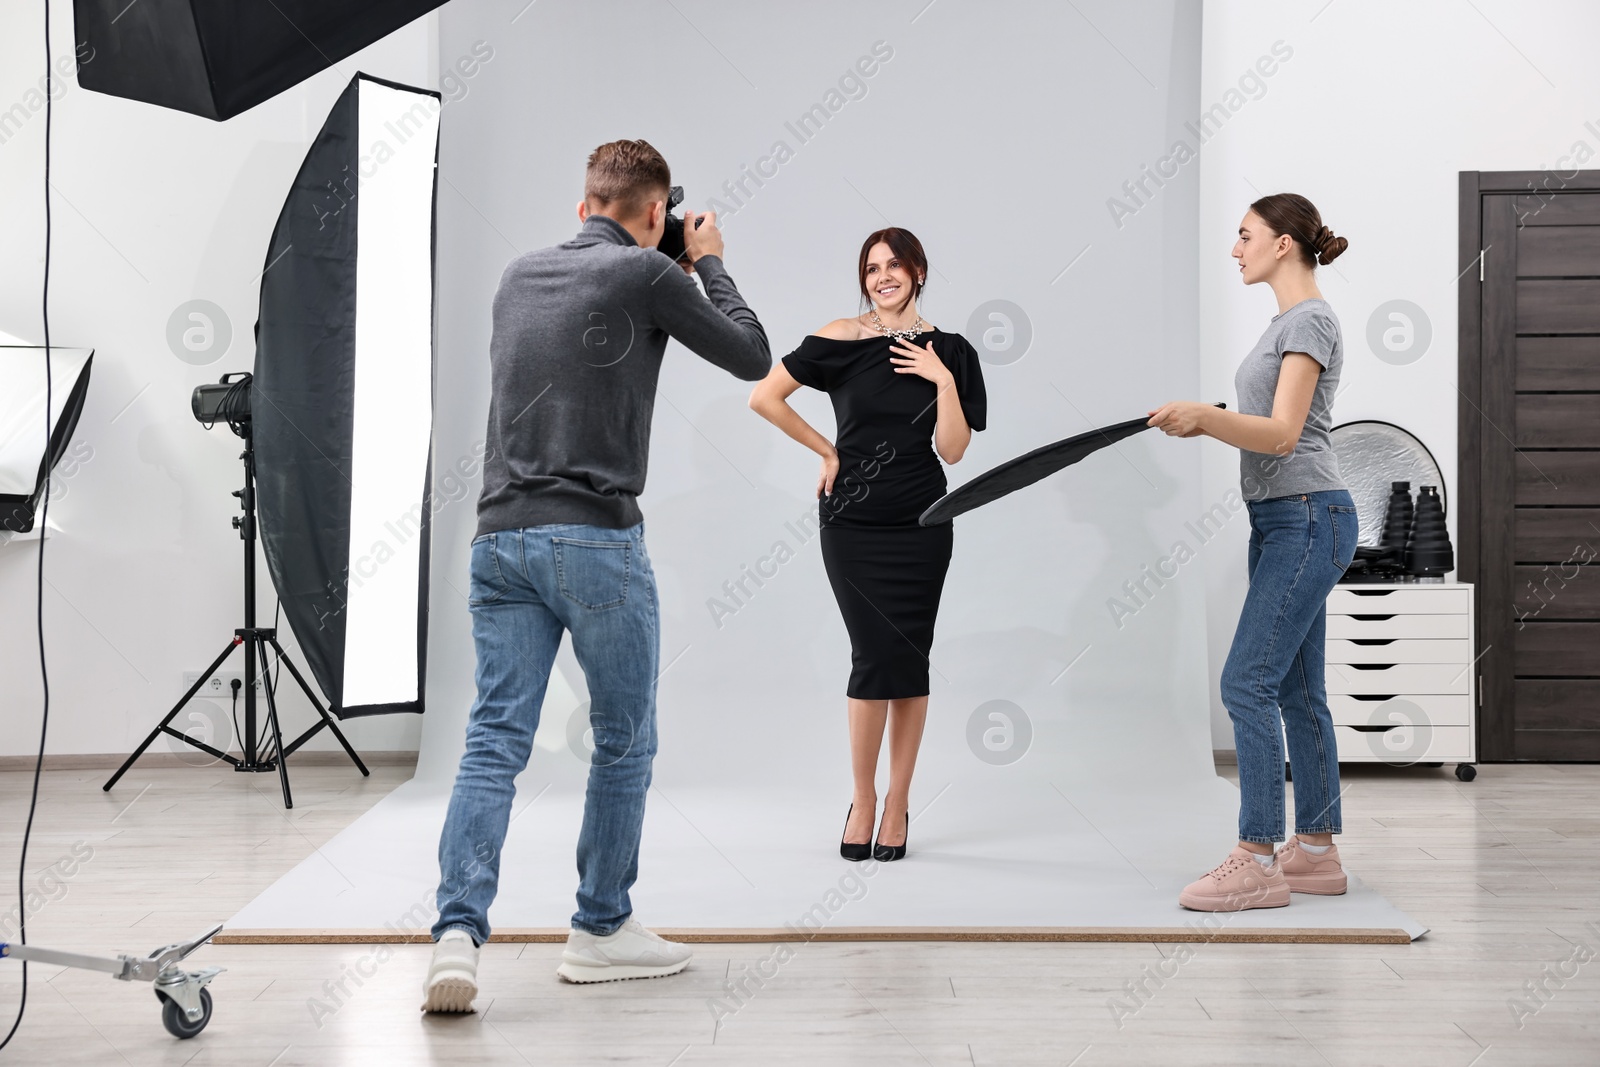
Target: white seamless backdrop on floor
1000	141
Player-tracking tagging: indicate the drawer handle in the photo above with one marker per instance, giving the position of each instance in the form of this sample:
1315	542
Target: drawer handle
1369	592
1374	618
1369	696
1371	640
1380	729
1370	666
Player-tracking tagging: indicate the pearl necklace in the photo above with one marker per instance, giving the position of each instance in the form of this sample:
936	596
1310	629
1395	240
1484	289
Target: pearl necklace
906	334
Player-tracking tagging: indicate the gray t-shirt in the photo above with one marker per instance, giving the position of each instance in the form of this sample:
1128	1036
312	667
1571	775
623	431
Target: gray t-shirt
1309	327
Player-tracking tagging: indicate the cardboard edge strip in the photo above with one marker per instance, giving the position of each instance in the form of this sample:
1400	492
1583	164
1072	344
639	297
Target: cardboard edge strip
999	934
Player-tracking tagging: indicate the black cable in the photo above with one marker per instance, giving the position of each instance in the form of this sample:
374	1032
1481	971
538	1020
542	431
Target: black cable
275	672
236	404
234	407
44	518
237	685
277	657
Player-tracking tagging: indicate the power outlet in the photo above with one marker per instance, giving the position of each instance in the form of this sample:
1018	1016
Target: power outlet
219	685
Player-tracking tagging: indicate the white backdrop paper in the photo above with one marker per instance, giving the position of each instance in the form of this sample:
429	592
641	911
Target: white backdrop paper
960	136
998	139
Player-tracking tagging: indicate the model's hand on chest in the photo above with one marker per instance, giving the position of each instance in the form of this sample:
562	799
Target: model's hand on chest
910	358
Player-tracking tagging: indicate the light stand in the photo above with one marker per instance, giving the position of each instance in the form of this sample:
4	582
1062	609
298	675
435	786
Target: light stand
256	640
185	1001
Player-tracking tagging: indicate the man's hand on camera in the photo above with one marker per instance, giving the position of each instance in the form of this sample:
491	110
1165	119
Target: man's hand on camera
704	239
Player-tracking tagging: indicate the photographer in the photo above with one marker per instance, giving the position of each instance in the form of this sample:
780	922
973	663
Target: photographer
579	333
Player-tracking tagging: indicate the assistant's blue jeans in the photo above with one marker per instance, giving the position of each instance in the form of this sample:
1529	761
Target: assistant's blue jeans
1299	547
528	586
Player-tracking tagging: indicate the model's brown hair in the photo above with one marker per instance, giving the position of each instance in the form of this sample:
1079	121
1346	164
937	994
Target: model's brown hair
905	247
624	176
1298	217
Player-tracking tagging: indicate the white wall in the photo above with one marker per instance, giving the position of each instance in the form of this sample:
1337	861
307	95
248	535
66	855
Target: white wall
1372	116
152	208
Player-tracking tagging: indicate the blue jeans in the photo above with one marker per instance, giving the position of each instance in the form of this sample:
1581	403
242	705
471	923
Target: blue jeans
528	586
1299	547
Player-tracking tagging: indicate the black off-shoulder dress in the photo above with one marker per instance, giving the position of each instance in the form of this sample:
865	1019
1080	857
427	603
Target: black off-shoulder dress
887	572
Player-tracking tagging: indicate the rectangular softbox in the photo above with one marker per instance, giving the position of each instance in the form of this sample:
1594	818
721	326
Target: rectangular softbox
342	398
25	461
216	58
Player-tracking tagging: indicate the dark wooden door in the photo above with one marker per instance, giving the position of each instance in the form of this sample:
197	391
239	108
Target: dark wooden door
1534	451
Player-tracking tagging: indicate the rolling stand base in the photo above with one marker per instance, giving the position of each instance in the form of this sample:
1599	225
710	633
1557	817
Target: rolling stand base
185	1001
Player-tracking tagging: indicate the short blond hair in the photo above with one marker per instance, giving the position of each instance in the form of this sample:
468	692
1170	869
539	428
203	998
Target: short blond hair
624	176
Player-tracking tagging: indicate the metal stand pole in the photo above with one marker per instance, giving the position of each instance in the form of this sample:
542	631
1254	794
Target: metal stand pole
255	640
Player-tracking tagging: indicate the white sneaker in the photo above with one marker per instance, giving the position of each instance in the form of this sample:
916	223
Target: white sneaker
453	974
629	952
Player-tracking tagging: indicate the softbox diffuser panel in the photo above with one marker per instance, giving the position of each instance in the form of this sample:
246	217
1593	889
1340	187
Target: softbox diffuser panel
216	59
342	398
25	462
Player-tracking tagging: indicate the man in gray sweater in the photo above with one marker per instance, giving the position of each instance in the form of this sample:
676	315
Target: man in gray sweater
579	333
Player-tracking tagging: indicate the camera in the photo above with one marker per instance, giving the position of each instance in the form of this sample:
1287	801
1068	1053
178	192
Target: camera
671	244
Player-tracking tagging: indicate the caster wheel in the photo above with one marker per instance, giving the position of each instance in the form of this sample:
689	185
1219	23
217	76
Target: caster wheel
1466	772
177	1023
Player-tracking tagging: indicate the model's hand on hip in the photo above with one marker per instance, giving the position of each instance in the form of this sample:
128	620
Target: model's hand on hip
830	471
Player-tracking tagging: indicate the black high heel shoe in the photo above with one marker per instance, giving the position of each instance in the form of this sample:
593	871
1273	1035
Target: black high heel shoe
849	850
890	853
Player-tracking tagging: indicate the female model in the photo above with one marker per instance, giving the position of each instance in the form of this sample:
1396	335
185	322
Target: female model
897	384
1302	537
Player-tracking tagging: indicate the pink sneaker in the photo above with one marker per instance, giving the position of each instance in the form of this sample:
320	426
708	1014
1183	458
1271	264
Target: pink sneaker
1238	884
1322	875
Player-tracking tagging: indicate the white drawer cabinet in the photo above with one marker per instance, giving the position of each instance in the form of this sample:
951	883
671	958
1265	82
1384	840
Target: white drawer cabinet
1431	598
1399	626
1401	674
1386	651
1397	679
1441	710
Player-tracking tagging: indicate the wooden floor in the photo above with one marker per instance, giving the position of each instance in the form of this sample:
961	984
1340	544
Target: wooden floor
1505	870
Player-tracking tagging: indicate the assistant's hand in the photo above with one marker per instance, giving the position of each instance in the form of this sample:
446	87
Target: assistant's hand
921	361
1180	418
830	471
702	240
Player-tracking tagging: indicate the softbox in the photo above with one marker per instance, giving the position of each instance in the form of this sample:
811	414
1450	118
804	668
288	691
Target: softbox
216	59
25	462
342	399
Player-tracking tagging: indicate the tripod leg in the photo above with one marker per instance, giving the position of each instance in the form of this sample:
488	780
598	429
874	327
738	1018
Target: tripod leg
277	735
326	718
162	725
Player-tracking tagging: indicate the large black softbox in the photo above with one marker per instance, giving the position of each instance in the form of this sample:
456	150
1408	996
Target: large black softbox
25	462
216	58
342	398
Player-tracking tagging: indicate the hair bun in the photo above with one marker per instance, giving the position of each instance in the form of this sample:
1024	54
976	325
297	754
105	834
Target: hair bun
1328	246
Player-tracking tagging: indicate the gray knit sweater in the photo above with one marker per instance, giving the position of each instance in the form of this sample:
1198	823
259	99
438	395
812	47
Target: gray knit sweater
579	331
